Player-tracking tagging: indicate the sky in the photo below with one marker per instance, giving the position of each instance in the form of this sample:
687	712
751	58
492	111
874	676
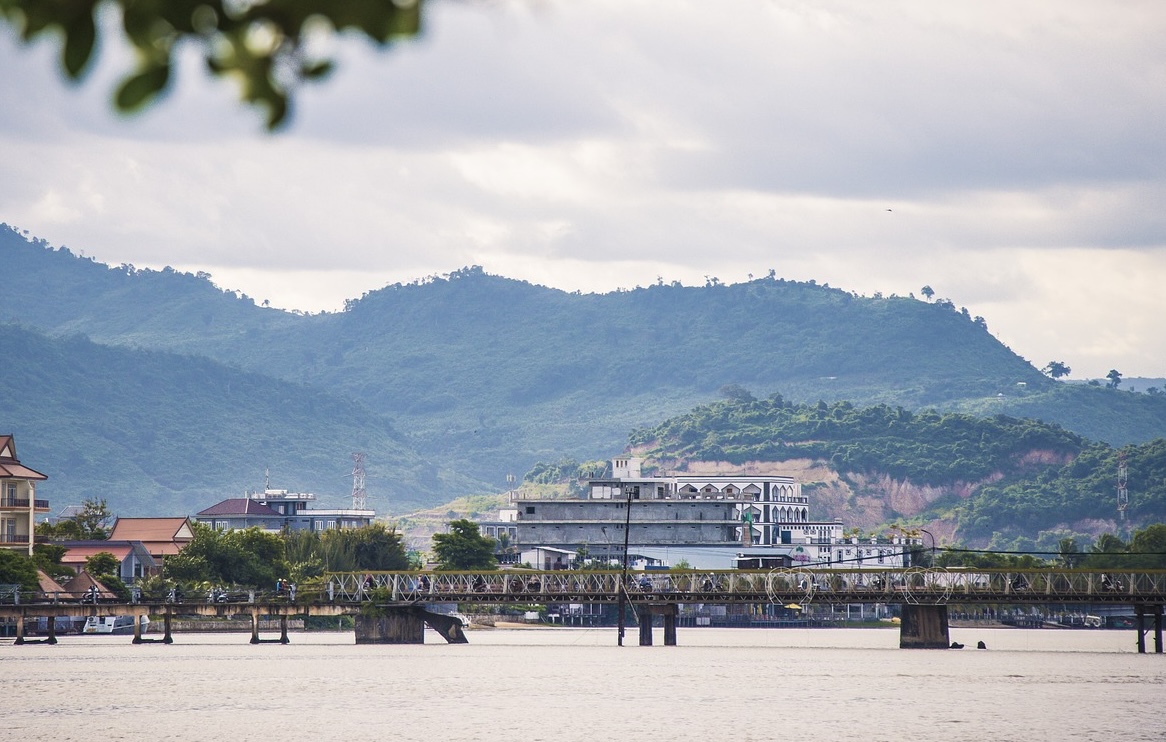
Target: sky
1010	155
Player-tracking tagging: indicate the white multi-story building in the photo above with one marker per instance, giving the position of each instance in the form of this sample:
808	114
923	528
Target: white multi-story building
709	521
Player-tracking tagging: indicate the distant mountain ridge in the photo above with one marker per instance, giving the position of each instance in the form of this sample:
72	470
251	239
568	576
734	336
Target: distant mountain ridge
485	375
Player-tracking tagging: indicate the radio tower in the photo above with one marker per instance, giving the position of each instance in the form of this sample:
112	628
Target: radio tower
359	500
1123	495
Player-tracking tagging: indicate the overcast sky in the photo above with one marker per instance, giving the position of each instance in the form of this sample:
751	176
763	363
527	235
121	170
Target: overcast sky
1011	155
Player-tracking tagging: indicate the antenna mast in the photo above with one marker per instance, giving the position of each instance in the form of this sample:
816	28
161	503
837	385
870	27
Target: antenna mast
359	500
1123	495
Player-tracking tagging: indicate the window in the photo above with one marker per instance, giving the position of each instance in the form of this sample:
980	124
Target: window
530	509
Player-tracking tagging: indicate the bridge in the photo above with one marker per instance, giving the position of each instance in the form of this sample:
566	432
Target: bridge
391	607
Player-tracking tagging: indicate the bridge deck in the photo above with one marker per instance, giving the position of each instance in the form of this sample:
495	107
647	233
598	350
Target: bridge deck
341	593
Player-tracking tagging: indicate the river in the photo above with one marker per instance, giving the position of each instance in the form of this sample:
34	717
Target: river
568	685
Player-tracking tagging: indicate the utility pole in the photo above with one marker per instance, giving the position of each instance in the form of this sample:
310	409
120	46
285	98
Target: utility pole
623	580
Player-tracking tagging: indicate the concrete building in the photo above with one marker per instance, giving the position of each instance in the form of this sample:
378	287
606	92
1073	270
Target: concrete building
708	521
18	503
277	510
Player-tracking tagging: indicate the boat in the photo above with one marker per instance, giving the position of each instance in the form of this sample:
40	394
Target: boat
113	625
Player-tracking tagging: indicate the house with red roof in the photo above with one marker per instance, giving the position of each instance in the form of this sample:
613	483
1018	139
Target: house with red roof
162	537
18	503
133	558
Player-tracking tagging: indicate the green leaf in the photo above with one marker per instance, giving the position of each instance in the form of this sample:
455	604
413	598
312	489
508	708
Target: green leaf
80	36
137	90
316	70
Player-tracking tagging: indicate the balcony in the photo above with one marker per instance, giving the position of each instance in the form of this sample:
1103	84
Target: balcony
16	503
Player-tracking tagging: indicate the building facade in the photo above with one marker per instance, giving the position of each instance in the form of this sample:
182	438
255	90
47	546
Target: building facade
278	510
18	503
708	521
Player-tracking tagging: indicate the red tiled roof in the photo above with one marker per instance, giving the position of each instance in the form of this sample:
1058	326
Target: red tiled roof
240	506
78	553
151	529
10	467
47	584
82	582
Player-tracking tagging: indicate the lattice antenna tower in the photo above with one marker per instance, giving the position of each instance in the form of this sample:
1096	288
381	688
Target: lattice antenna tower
1123	494
359	499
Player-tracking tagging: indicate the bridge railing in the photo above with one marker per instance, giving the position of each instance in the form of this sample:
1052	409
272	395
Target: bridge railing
910	585
870	585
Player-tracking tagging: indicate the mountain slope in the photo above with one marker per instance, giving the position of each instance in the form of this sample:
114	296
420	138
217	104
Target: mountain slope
488	375
156	433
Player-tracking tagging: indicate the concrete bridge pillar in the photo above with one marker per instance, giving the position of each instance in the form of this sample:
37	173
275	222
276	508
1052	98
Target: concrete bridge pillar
646	614
406	625
394	627
51	622
924	627
670	627
644	617
1156	612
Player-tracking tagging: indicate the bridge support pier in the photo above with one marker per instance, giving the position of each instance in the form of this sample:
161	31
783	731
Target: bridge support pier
1156	612
255	629
924	627
51	625
670	627
407	626
645	615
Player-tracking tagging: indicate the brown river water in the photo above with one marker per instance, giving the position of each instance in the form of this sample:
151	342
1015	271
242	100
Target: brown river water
568	685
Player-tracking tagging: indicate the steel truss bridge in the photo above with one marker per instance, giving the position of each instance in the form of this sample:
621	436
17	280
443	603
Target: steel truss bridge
400	598
913	586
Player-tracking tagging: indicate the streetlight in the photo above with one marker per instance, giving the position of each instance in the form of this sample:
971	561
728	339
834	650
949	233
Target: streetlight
933	547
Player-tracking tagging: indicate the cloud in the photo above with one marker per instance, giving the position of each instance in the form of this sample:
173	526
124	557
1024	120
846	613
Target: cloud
1009	155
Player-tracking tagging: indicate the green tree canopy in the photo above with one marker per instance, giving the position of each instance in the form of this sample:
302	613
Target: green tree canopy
18	569
102	563
1145	550
89	524
48	559
1114	377
463	548
105	568
373	548
247	557
1057	369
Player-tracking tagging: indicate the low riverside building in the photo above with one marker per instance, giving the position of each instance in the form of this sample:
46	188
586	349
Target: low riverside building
278	510
708	521
134	560
18	503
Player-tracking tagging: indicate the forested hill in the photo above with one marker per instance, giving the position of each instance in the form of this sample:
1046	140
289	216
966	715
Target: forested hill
159	434
487	375
970	478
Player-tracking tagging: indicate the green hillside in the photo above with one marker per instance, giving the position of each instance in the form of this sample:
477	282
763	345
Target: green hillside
984	478
156	433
